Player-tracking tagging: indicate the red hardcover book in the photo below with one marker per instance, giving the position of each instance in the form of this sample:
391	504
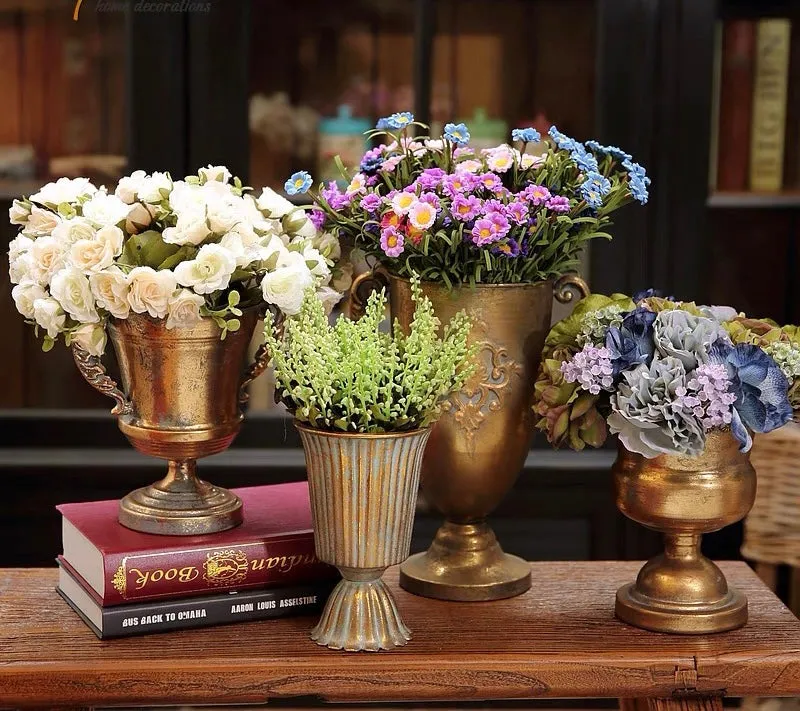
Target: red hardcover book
273	547
736	104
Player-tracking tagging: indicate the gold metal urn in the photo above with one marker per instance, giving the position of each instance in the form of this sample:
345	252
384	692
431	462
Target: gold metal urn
181	397
683	497
479	445
363	490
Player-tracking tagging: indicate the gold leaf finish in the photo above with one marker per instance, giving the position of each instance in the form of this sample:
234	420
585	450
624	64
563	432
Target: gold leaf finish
120	579
681	591
94	372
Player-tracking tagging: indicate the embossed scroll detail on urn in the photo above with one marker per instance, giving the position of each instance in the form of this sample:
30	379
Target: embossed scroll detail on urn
479	445
181	397
681	591
363	490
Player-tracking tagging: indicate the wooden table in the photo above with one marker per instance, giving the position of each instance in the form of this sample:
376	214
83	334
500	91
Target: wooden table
558	640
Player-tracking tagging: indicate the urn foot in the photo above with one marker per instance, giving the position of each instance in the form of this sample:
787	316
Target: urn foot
180	505
465	563
681	592
361	615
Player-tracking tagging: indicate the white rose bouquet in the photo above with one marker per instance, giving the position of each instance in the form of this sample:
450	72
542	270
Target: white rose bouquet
179	250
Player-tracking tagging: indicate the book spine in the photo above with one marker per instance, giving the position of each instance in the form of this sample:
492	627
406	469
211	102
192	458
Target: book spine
716	79
130	620
198	571
735	103
769	104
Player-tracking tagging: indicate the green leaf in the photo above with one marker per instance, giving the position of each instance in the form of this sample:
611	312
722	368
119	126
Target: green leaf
147	249
233	298
234	324
47	344
186	252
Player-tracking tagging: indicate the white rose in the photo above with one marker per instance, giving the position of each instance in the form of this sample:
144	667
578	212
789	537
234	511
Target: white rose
18	213
329	298
190	229
215	172
150	187
70	231
41	223
184	309
64	190
105	209
128	187
139	218
21	268
274	205
247	248
110	289
49	315
91	337
49	256
224	212
71	289
328	244
209	271
18	246
89	256
321	270
186	197
150	290
286	286
25	295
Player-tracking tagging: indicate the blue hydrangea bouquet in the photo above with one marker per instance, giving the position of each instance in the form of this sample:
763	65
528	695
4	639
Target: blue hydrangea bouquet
660	374
458	215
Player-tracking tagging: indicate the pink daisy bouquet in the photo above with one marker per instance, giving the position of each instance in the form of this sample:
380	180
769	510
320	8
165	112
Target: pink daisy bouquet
453	214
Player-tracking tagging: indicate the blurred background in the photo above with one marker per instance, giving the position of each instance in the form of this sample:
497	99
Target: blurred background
268	87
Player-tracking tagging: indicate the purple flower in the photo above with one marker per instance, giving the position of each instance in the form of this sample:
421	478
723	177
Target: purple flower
370	202
371	161
509	248
372	181
430	178
392	242
317	218
465	207
459	182
517	212
558	203
485	232
493	205
708	395
590	367
500	222
335	197
431	198
490	181
537	194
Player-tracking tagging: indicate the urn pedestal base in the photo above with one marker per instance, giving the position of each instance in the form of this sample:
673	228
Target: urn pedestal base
465	563
681	592
180	505
360	615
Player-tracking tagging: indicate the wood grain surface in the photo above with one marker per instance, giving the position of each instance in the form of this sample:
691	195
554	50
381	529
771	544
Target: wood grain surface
560	639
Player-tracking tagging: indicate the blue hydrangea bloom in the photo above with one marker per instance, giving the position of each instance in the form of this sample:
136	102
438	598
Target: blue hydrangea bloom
631	342
762	400
298	183
526	135
457	133
638	189
400	120
593	189
647	293
613	151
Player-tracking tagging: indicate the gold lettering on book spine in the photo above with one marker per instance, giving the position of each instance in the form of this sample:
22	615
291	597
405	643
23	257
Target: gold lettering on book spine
120	579
226	567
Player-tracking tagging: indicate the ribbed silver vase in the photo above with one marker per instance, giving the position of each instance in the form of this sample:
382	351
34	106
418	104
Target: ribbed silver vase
363	491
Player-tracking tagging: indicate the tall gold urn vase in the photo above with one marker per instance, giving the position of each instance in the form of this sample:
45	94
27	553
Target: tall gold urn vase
478	447
180	400
681	591
363	490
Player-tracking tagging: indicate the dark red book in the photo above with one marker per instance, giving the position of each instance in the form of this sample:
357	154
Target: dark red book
273	547
736	103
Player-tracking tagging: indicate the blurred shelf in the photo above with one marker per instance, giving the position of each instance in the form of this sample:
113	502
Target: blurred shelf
750	200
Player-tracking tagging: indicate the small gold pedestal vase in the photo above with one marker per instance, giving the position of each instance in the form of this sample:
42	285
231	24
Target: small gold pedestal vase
363	490
182	398
681	591
479	445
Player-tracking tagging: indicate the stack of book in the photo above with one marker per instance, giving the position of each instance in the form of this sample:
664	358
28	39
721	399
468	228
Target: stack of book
122	582
755	133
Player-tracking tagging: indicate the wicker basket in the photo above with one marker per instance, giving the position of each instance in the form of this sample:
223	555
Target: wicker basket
772	529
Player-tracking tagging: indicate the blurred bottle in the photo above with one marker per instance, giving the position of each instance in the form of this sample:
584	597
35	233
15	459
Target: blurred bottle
341	135
485	132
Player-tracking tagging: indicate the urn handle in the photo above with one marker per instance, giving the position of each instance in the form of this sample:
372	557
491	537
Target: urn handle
363	285
94	372
566	286
258	366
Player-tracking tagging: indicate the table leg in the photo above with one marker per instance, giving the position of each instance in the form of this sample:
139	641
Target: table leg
684	703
